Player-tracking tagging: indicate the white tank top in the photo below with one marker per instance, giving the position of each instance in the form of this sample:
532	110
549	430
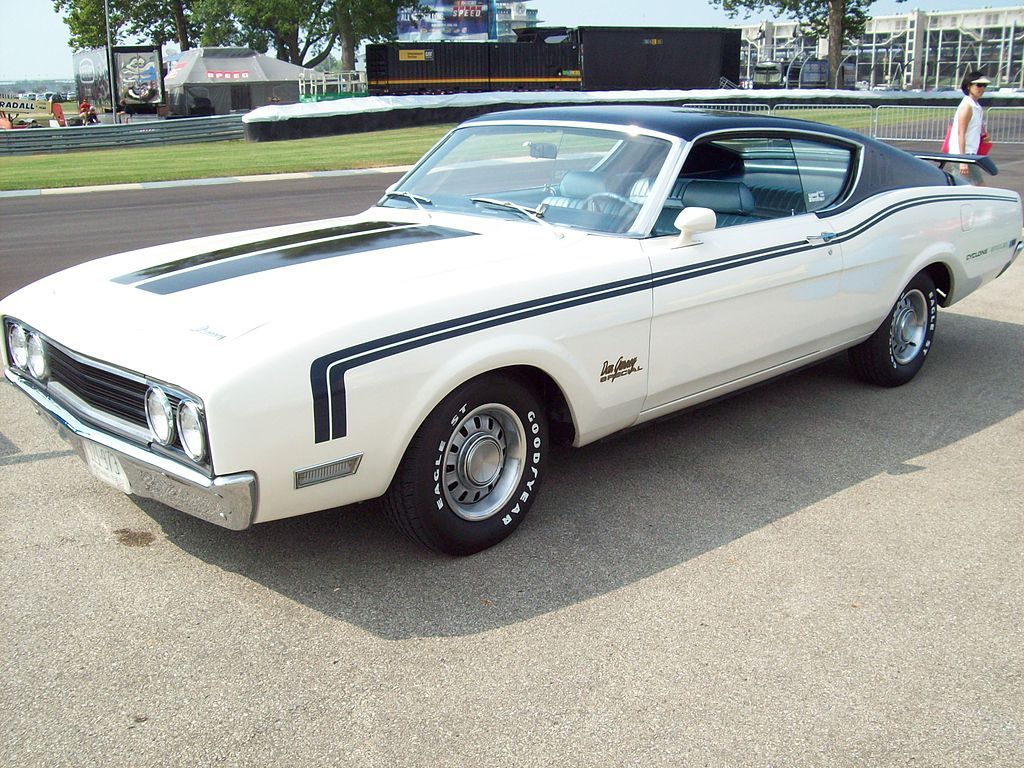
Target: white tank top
973	137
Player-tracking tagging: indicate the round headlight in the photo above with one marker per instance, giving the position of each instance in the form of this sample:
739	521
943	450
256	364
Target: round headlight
37	365
17	342
159	415
190	430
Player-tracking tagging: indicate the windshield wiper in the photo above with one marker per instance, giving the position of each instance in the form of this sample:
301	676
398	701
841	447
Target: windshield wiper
534	214
416	199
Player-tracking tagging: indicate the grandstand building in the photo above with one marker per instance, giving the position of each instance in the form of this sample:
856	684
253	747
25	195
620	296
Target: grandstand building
510	15
918	49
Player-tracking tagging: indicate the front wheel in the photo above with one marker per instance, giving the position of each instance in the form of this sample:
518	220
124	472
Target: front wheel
473	469
895	352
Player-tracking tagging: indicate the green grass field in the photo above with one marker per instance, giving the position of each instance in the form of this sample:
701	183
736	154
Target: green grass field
224	158
240	158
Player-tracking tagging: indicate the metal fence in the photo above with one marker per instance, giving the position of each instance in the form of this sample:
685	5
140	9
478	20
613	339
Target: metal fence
912	123
315	85
729	107
854	117
187	130
1005	125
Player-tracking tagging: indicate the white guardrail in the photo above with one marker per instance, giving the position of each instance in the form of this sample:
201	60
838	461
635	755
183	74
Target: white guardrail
1005	125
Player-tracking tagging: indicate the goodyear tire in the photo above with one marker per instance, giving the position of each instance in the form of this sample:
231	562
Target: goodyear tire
473	469
895	352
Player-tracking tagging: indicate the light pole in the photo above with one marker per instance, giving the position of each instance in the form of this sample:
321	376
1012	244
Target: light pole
110	59
796	59
839	73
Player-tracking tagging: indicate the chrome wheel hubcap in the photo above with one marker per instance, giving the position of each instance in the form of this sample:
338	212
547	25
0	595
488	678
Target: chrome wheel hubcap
484	461
909	327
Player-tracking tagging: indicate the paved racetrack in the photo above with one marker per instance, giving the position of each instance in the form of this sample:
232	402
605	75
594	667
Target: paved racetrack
812	573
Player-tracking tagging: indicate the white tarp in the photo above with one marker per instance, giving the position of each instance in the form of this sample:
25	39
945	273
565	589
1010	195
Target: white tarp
229	65
278	112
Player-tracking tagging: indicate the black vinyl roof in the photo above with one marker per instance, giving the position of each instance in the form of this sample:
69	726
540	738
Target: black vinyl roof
685	122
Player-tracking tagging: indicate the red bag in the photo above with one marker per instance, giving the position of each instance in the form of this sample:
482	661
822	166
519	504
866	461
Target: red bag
985	146
945	143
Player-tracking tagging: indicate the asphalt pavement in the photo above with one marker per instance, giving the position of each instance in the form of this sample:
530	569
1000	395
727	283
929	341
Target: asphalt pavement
812	573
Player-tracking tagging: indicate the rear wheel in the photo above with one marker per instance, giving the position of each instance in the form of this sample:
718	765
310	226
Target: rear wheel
895	352
473	469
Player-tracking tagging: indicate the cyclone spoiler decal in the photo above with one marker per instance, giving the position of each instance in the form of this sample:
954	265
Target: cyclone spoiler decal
327	373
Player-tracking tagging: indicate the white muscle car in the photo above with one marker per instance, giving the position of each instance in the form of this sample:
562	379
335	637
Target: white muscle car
543	274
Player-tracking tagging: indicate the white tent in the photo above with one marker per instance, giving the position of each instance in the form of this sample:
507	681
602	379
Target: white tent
216	81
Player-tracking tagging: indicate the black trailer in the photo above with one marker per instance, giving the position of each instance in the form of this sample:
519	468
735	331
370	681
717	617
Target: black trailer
634	58
435	67
558	59
535	65
468	67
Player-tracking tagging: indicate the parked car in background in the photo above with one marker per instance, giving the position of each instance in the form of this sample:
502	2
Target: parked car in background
540	275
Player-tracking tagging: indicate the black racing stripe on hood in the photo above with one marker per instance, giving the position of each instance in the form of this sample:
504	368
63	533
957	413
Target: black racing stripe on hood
265	261
158	270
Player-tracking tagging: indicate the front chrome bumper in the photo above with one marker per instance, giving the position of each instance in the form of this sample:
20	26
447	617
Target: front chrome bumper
228	501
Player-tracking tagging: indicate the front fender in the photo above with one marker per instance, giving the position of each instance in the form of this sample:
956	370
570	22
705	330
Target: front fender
402	391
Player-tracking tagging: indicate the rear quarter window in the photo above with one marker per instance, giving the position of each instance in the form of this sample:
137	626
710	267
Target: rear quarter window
824	172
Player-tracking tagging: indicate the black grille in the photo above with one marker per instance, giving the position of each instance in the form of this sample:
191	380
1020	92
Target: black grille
103	397
101	389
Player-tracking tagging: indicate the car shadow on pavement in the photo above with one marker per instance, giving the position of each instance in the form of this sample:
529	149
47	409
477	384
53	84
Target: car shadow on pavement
631	506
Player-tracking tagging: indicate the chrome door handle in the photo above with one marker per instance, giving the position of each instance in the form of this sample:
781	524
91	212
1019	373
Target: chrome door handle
824	237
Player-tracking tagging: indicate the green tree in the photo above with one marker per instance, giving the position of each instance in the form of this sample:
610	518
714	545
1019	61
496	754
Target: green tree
302	32
158	20
86	22
836	20
163	21
358	20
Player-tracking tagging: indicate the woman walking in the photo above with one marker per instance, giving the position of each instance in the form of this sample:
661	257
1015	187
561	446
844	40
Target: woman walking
967	132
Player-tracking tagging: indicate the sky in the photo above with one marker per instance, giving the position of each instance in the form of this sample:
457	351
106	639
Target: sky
35	37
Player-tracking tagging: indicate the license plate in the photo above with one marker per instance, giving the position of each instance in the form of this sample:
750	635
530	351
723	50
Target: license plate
105	465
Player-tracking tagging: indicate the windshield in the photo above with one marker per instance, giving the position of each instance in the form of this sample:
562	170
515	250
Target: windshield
593	179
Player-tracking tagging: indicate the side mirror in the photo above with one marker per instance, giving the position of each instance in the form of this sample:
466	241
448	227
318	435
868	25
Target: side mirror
692	221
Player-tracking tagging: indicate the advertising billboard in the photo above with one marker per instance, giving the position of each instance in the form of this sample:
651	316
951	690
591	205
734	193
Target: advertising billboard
92	76
448	20
138	75
10	101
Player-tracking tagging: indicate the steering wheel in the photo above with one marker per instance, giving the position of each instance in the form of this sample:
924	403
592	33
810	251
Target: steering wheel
592	203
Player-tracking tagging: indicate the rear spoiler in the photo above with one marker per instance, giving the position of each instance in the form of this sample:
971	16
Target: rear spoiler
982	161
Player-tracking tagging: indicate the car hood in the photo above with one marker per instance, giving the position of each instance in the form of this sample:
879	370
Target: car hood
199	297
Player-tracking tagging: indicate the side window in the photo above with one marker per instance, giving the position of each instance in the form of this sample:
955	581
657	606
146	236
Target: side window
771	172
745	179
824	171
742	179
